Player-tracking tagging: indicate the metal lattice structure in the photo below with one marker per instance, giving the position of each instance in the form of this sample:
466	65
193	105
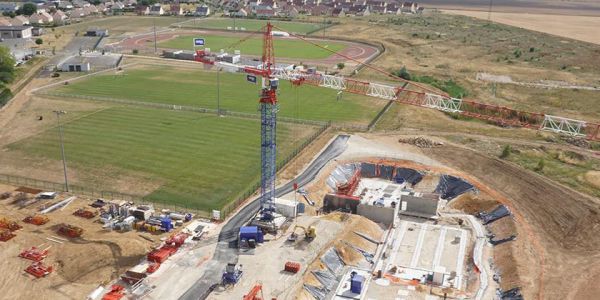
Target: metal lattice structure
442	103
268	128
563	125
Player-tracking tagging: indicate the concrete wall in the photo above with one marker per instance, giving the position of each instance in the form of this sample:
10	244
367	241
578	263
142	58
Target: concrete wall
377	214
333	202
426	205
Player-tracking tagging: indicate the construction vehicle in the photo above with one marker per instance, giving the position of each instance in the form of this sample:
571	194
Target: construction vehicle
38	269
34	253
116	292
69	230
6	235
310	233
36	220
232	274
10	225
253	294
84	213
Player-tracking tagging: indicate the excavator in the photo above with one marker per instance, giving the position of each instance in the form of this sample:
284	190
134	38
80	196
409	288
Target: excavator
310	233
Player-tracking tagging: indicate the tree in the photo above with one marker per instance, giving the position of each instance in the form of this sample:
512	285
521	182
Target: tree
341	65
39	41
7	66
403	73
505	152
28	9
7	74
135	51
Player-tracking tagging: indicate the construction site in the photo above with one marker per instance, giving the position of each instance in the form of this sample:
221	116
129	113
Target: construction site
121	178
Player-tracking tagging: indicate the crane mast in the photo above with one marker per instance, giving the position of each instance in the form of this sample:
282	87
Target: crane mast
268	130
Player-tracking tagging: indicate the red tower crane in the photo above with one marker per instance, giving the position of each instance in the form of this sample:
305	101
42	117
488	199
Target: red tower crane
268	111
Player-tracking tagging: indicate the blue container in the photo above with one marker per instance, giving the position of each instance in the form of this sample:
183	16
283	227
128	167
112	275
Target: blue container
166	224
356	283
251	233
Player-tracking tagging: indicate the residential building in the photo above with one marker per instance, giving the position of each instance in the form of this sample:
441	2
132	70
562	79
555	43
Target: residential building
65	5
142	10
77	13
409	7
19	21
15	32
41	18
21	49
202	11
175	9
80	3
59	17
242	13
9	7
157	10
5	21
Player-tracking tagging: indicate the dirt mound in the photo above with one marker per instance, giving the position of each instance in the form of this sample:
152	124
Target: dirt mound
472	204
364	226
421	142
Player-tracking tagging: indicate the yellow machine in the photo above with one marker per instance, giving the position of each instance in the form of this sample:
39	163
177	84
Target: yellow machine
310	233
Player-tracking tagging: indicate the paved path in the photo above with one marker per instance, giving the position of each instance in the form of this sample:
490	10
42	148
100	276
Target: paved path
226	251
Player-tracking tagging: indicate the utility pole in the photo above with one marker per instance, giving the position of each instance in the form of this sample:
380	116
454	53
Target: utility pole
62	146
490	10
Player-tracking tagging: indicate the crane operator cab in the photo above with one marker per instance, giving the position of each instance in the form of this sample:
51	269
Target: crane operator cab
273	83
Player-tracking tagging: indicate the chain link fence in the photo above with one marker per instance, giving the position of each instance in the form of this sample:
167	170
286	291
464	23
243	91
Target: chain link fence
94	193
253	188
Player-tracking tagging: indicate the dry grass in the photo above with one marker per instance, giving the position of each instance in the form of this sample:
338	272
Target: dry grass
583	28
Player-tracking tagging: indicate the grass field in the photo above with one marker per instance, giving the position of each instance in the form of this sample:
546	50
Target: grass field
203	161
195	87
253	25
288	48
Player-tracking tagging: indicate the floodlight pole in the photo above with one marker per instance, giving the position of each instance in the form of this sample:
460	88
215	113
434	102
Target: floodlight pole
62	146
218	92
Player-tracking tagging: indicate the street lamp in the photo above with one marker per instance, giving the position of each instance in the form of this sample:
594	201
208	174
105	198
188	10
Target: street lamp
62	146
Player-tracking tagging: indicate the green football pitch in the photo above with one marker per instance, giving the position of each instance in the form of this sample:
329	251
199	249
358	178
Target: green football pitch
253	25
196	87
289	47
202	161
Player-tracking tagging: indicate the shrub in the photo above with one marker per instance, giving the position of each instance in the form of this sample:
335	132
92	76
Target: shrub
39	41
135	51
341	65
540	165
403	73
505	152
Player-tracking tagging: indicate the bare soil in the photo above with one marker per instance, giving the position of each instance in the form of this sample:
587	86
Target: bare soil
81	264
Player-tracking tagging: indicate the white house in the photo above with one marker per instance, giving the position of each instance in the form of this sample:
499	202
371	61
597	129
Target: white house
156	10
41	18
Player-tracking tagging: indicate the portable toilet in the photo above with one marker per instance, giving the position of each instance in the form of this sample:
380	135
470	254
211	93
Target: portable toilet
356	283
